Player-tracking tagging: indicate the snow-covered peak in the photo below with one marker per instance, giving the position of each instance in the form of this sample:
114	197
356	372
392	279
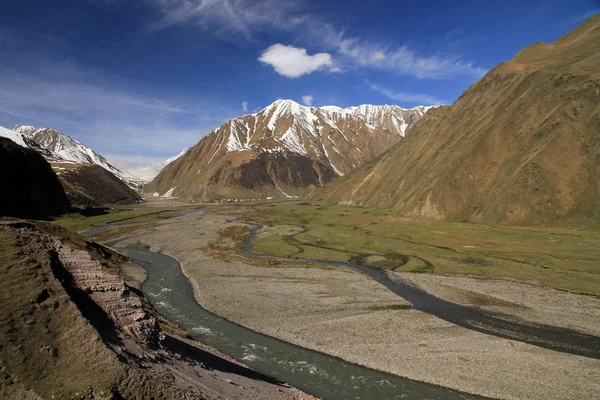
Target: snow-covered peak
286	125
367	112
14	136
65	148
171	159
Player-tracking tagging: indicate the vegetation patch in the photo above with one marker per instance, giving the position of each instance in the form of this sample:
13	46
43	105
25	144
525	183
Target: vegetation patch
558	258
482	262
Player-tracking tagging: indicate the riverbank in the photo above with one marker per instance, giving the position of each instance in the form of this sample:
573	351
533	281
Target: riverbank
343	313
73	328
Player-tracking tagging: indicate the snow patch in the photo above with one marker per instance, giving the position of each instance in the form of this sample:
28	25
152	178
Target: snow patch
169	192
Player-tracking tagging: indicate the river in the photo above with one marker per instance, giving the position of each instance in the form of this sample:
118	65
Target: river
323	376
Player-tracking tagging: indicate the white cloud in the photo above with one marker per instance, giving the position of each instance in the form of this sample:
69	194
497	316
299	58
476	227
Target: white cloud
225	18
294	62
307	100
234	18
245	106
414	98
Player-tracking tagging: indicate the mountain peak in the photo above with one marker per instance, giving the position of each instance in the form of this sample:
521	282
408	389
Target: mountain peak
65	148
284	149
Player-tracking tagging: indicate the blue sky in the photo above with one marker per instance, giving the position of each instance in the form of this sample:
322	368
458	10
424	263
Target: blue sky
139	81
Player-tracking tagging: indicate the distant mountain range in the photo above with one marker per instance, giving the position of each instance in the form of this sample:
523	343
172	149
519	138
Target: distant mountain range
88	178
522	146
284	150
65	148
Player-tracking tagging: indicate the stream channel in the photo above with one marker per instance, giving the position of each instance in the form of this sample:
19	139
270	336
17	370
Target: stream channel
316	373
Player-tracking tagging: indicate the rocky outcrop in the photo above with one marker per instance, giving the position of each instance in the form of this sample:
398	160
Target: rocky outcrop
72	329
77	269
30	189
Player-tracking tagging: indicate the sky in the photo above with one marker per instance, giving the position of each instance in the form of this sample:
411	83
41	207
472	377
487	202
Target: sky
140	81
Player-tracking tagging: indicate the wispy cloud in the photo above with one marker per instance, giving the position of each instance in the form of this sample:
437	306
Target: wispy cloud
243	18
245	106
399	59
145	167
101	112
293	62
307	100
416	98
227	18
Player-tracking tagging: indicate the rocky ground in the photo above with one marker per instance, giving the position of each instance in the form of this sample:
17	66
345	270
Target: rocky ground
70	327
516	300
373	327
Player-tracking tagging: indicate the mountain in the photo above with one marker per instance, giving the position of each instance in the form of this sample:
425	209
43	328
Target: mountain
85	184
29	187
91	185
283	150
69	149
520	146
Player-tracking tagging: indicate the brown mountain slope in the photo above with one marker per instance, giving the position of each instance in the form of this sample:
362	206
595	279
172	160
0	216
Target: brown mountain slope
29	187
92	185
283	150
522	145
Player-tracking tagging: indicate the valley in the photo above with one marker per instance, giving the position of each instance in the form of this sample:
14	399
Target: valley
303	303
426	249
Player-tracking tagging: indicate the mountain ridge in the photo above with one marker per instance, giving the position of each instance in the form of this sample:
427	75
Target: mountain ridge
520	146
287	149
68	149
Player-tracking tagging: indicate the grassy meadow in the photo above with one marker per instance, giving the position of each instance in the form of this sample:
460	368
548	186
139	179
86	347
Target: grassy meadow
563	259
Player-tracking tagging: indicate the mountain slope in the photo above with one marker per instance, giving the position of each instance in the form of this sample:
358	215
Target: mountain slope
91	185
522	145
283	150
29	187
74	328
85	184
69	149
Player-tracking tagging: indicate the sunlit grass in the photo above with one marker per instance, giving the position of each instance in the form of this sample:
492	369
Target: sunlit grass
564	259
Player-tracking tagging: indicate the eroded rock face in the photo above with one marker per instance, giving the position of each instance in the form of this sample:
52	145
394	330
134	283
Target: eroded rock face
76	268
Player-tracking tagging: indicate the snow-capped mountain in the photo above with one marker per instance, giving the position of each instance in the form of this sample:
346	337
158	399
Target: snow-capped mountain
65	148
14	136
284	149
25	141
168	161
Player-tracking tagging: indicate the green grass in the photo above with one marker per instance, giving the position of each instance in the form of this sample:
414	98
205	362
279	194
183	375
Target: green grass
563	259
117	215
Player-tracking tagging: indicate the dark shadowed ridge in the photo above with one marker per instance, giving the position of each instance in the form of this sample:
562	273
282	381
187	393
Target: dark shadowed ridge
30	189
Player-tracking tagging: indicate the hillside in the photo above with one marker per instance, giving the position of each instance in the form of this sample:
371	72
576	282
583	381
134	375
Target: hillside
283	150
520	146
73	329
92	185
29	187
